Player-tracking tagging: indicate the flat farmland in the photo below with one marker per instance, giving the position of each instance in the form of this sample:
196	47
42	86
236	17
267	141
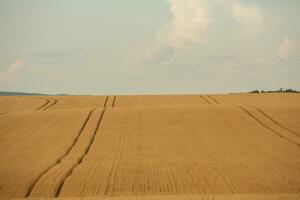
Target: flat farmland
239	146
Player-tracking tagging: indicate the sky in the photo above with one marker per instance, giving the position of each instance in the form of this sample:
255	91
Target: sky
149	47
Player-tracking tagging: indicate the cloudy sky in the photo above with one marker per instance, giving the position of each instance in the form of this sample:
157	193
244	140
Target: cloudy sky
144	47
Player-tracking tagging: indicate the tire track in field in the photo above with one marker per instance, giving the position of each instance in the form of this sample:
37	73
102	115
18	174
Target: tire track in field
62	157
80	160
266	126
274	121
204	99
44	105
105	103
215	100
51	105
114	101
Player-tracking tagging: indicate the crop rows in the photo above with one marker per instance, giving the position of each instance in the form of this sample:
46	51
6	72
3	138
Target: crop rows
154	147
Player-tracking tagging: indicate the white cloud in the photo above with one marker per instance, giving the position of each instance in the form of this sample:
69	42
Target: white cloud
160	54
12	73
285	47
249	15
15	66
264	61
189	20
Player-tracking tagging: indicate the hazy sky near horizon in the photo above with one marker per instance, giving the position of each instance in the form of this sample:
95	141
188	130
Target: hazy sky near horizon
145	47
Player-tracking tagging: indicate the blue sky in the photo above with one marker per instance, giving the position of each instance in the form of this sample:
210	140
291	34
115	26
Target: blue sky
149	47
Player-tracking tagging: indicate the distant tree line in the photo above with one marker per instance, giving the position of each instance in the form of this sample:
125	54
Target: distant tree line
281	90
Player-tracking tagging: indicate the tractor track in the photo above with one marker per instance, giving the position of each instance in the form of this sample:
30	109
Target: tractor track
266	126
274	121
215	100
31	187
105	103
204	99
51	105
80	160
114	101
44	105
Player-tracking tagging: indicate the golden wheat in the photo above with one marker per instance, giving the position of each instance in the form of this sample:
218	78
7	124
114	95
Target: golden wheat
241	146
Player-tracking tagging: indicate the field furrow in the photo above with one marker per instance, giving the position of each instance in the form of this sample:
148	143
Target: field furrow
204	99
106	101
20	103
50	105
286	196
213	99
114	101
274	121
176	150
79	102
44	105
280	99
50	184
158	100
270	125
111	101
59	160
32	142
81	158
239	146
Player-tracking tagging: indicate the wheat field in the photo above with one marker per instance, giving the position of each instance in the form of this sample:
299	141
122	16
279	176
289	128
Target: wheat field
151	147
